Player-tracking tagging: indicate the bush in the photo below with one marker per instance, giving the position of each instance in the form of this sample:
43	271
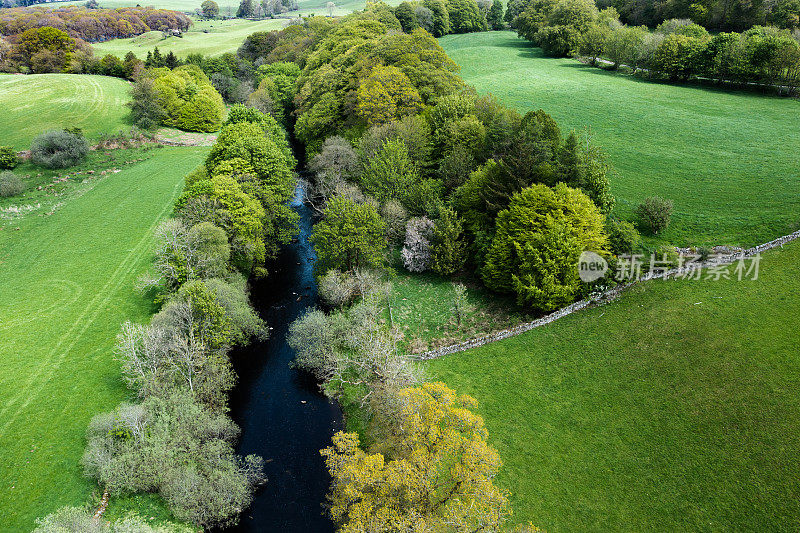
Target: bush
395	216
8	158
10	185
623	238
336	288
654	214
59	149
416	253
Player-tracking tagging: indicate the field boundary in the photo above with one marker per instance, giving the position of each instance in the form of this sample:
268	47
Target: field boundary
600	299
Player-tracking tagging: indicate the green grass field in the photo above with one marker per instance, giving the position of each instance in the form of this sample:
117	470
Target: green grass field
40	102
67	285
222	36
728	159
674	408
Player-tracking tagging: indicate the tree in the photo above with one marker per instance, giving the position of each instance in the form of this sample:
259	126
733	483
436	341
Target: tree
461	305
593	41
390	174
210	9
495	18
173	445
349	236
246	9
405	14
679	56
387	94
47	48
416	252
146	110
654	214
539	238
465	16
433	472
448	247
441	17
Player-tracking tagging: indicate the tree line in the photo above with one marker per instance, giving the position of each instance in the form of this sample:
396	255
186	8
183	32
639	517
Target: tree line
92	25
678	49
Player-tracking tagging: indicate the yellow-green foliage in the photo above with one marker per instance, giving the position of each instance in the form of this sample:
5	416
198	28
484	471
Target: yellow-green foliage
433	471
387	94
538	241
189	100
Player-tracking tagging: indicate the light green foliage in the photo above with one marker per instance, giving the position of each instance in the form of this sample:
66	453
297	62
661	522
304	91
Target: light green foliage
539	238
44	49
239	214
188	99
678	55
441	17
387	94
495	17
390	174
349	236
465	17
433	468
623	238
630	392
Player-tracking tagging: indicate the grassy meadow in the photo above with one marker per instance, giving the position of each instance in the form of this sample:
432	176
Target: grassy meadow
728	159
211	38
673	408
40	102
68	283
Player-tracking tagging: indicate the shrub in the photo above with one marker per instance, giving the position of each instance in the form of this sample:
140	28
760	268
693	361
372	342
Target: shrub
10	184
173	445
395	216
623	238
416	253
654	214
336	288
58	149
8	158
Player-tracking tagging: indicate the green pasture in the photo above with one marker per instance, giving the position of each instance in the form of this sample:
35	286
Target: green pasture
674	408
727	159
40	102
211	38
67	285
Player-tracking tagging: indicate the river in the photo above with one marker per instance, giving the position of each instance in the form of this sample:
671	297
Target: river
283	416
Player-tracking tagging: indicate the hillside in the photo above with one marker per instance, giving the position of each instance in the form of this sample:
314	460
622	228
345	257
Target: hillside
40	102
726	158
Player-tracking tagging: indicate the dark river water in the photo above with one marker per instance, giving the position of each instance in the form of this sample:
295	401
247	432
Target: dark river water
283	416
